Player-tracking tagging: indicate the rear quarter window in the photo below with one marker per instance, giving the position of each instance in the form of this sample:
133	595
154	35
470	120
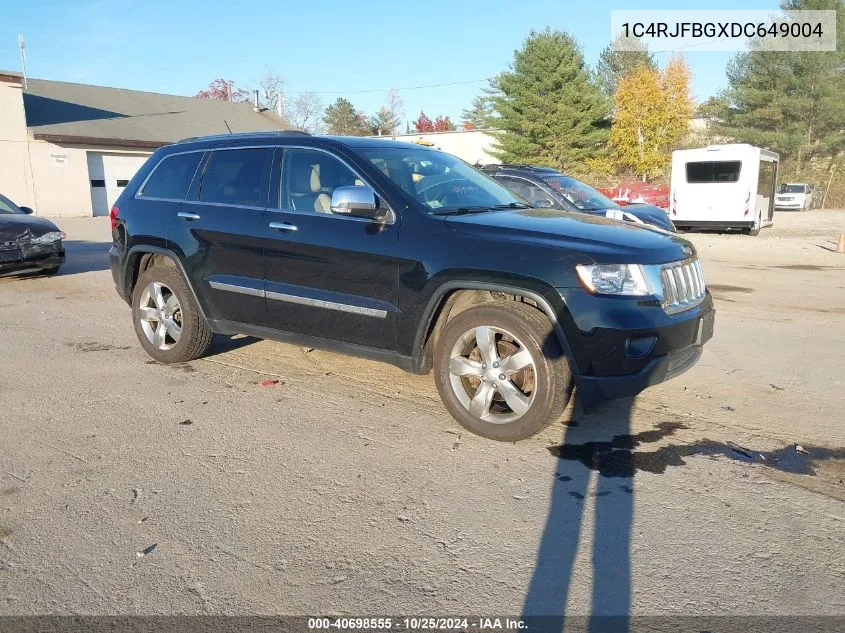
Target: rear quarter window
713	171
172	177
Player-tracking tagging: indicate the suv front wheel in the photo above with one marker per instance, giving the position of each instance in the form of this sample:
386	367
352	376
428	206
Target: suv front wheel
167	320
500	371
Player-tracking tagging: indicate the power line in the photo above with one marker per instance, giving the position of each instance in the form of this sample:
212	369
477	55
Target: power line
358	92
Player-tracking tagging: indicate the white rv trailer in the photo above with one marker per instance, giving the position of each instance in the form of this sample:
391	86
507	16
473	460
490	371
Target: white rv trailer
723	187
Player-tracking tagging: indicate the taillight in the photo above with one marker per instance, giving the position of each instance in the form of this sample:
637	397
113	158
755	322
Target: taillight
674	203
747	201
115	210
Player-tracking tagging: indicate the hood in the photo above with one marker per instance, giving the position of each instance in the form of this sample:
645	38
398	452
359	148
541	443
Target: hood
605	240
14	226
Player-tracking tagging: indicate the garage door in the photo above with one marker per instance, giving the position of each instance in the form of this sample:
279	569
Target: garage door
108	175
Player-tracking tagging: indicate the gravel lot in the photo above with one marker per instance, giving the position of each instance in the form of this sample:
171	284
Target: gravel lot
347	488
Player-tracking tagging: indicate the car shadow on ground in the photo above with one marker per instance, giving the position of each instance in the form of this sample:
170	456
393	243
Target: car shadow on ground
82	256
594	472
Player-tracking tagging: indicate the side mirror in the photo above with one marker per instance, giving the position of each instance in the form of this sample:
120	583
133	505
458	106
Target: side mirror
27	210
357	201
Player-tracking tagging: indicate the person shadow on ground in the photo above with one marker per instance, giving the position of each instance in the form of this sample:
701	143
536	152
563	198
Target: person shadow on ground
594	472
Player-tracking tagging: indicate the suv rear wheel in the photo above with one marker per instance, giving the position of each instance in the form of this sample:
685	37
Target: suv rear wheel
167	321
500	371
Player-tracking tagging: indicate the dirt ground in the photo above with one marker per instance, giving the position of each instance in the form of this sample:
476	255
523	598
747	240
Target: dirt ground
128	487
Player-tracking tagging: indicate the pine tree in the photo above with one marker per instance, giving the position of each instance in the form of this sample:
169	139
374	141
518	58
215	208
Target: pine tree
550	112
613	65
342	118
791	102
479	113
384	122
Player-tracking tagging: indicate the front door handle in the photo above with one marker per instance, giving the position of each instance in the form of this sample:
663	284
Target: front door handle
186	215
283	226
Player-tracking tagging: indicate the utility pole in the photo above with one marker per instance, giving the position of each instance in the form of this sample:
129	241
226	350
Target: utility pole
22	47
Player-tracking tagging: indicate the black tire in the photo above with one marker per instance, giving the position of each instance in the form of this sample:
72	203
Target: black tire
195	336
552	383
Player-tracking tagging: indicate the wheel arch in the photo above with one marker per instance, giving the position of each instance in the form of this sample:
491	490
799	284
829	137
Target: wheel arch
455	296
142	257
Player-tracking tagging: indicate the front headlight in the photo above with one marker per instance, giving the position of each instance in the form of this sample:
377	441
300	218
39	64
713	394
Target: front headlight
628	280
49	238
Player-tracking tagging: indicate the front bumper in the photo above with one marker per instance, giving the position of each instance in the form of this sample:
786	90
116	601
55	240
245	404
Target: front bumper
621	346
32	258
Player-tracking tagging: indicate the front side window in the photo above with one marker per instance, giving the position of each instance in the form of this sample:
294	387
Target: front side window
713	171
439	181
171	177
309	177
236	177
581	196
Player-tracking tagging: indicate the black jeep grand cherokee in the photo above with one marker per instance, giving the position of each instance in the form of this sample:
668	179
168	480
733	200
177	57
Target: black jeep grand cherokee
407	255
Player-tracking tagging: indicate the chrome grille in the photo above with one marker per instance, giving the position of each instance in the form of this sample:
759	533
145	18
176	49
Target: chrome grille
683	285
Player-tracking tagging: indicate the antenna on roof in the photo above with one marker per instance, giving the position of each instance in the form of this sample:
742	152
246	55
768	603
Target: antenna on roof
227	126
22	46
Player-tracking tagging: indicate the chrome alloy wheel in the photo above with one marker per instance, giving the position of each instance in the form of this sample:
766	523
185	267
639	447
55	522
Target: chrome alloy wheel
492	374
160	315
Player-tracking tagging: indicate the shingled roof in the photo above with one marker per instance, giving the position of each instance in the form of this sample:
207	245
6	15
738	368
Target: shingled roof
66	112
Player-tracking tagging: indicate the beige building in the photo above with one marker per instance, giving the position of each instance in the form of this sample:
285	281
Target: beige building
68	149
473	146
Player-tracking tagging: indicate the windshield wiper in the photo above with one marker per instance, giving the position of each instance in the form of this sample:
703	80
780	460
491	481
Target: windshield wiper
457	210
511	205
480	208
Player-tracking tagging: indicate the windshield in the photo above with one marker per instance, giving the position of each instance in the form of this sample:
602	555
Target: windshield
578	194
439	181
7	206
793	188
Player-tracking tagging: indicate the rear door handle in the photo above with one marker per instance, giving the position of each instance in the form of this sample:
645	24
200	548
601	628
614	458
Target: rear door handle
187	215
283	226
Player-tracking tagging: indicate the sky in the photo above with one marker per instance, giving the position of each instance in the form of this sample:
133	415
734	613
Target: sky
336	48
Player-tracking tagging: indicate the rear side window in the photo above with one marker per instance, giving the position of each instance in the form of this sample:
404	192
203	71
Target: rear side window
713	171
237	176
172	177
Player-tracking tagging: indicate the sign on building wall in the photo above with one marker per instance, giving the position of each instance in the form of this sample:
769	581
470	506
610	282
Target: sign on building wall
59	160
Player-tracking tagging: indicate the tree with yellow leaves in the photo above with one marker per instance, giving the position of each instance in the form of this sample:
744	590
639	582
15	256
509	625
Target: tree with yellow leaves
652	110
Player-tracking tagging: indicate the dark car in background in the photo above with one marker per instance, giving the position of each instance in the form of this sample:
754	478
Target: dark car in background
547	188
28	243
407	255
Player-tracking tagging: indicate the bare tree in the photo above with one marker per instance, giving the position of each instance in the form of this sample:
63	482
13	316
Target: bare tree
393	104
305	112
272	87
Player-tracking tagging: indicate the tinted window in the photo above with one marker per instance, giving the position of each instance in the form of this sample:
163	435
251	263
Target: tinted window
310	178
236	176
713	171
766	179
793	189
531	192
578	194
172	176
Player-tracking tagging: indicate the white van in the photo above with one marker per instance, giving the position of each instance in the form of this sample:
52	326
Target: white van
797	196
723	187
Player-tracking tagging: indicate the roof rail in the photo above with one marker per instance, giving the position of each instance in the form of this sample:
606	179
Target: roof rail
236	135
519	165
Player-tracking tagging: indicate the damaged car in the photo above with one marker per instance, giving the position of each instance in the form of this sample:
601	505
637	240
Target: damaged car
28	244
